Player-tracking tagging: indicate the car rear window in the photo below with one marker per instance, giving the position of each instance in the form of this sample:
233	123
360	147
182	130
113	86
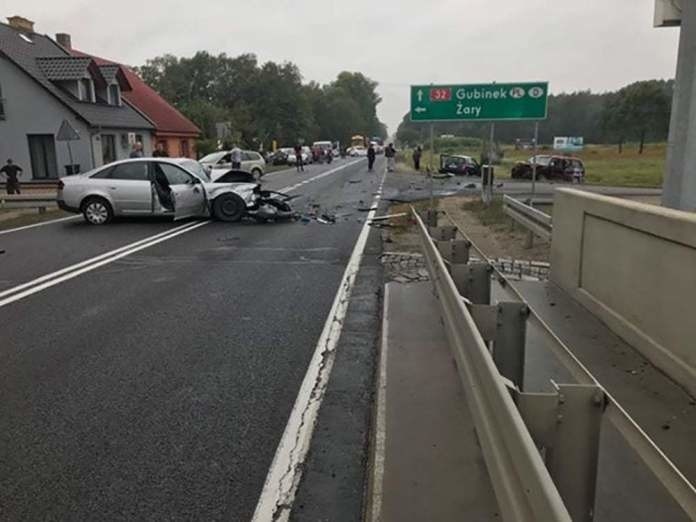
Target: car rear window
133	171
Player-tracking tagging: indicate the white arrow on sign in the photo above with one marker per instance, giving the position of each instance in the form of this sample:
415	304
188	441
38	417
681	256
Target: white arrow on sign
420	109
420	95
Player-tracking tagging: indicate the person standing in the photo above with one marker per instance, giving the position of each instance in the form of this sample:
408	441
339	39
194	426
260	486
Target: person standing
371	155
417	153
137	151
299	164
236	157
390	153
160	151
11	172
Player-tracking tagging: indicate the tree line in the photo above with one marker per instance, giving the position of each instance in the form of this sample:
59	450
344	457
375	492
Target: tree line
259	103
638	112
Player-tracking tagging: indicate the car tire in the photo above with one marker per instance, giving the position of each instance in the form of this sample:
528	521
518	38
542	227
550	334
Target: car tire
229	208
97	211
256	173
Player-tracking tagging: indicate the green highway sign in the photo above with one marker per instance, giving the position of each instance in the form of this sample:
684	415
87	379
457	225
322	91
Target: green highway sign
482	102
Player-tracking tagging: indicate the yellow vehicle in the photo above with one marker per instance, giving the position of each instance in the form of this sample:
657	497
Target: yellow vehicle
358	141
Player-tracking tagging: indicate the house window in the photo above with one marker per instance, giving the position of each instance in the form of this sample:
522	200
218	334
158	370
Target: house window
184	148
86	90
114	94
2	105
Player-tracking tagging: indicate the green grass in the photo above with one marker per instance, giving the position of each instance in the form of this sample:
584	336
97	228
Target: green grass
491	215
603	163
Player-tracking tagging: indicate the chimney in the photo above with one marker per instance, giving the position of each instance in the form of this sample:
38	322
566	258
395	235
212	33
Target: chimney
21	24
64	40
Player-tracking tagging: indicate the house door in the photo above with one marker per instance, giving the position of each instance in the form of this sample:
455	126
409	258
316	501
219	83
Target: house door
108	142
42	151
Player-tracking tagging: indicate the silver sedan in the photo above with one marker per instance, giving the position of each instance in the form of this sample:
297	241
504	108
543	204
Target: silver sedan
178	187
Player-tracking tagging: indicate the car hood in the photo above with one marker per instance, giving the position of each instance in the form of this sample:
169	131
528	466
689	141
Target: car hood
245	190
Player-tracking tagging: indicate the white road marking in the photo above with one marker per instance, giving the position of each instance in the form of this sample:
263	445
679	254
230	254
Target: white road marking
51	280
43	223
318	176
278	495
48	280
380	449
88	261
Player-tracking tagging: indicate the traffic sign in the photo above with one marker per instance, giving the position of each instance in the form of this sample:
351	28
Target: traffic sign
67	132
482	102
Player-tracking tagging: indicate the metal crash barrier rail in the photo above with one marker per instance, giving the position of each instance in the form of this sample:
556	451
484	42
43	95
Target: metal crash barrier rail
541	449
529	217
39	201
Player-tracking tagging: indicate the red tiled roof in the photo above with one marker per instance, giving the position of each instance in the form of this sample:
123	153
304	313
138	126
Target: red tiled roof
165	118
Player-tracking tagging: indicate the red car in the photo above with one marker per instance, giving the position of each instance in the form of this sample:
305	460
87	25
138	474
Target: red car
564	168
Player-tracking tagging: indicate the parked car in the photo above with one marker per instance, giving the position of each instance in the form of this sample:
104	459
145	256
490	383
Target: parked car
251	162
306	156
321	149
280	157
459	165
178	187
565	168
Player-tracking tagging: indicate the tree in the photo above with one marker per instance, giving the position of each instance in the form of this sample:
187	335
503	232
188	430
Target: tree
265	102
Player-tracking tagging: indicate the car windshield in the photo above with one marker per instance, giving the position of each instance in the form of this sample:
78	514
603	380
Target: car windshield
198	169
213	157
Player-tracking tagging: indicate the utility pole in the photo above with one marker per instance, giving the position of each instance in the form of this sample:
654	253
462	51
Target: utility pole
679	187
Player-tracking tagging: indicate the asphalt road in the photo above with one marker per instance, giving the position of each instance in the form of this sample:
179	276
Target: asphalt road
158	385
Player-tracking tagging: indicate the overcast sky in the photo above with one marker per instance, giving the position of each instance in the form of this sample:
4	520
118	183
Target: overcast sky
574	44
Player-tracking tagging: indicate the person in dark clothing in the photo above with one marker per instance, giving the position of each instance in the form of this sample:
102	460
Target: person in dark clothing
417	153
390	154
299	164
371	155
11	171
160	151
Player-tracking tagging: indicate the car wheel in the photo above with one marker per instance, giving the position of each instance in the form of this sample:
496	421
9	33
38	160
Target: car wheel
229	207
256	173
97	211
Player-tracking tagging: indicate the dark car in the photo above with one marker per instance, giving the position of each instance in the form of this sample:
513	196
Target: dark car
459	165
564	168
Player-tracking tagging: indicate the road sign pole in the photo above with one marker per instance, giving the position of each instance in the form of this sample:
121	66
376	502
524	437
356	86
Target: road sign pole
432	166
72	163
534	163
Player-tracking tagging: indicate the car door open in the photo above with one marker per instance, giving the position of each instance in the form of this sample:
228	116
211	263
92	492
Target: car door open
179	191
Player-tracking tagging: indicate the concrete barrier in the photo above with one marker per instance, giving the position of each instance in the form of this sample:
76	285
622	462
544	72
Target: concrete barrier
634	266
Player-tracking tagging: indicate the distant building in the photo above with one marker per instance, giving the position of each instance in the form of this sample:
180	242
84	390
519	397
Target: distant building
42	85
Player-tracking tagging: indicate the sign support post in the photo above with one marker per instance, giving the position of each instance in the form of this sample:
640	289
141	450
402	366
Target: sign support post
534	163
432	166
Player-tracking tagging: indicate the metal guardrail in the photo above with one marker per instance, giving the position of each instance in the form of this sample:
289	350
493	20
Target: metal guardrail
574	476
523	486
529	217
40	201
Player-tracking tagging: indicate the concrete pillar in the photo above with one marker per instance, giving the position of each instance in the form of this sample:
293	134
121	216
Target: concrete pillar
679	189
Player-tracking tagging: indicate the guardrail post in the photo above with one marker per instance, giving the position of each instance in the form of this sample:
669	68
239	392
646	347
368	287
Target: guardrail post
529	242
509	345
431	217
566	427
473	281
454	251
444	233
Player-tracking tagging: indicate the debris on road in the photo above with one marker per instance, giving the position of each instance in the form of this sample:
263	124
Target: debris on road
389	216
